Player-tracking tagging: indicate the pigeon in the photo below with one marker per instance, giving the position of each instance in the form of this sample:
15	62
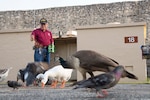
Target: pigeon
102	81
88	61
14	84
4	73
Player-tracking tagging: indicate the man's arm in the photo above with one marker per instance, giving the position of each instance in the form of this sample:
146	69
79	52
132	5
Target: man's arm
33	40
35	43
32	37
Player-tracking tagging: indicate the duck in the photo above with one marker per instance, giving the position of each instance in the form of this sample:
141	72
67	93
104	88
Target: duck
88	61
4	73
56	74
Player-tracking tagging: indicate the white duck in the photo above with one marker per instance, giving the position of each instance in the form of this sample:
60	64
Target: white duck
4	74
56	74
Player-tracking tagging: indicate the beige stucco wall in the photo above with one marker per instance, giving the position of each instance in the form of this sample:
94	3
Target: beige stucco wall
109	40
15	51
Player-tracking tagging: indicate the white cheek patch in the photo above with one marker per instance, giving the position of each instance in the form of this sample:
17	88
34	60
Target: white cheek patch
18	75
26	75
76	62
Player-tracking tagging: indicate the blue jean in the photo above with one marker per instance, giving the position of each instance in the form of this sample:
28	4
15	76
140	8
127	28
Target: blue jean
41	55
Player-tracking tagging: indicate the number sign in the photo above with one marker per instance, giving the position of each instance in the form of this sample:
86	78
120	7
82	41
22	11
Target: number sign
131	39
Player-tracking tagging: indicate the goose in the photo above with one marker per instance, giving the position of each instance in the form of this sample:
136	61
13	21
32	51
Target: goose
4	73
88	61
56	74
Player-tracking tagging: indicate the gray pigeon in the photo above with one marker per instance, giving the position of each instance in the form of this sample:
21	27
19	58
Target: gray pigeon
102	81
14	84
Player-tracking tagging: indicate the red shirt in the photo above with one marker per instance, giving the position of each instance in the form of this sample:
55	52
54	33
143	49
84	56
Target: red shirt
44	38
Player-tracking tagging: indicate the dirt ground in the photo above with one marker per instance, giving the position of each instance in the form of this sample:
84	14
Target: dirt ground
119	92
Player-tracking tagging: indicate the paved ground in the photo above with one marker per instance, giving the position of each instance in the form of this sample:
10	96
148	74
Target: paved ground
119	92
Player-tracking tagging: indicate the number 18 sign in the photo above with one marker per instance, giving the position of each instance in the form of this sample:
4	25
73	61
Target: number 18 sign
131	39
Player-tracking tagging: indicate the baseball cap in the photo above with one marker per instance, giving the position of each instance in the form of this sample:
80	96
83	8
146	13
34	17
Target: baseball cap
43	21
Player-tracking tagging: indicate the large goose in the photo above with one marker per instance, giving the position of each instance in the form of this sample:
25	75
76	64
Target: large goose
87	61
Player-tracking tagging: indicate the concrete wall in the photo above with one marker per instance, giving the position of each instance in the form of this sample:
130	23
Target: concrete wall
68	18
109	41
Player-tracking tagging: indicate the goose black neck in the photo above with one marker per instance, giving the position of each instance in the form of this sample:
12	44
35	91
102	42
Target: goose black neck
64	63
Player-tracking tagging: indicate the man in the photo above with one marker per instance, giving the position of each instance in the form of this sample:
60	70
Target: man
43	42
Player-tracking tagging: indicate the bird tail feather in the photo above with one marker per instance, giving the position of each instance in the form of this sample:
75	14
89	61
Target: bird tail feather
77	83
130	75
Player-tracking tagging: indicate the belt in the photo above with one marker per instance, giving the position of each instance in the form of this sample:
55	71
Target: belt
44	47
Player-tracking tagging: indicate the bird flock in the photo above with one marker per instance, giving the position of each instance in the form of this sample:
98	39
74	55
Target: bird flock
84	61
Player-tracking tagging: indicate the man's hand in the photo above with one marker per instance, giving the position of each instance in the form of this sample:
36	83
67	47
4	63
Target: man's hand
36	44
